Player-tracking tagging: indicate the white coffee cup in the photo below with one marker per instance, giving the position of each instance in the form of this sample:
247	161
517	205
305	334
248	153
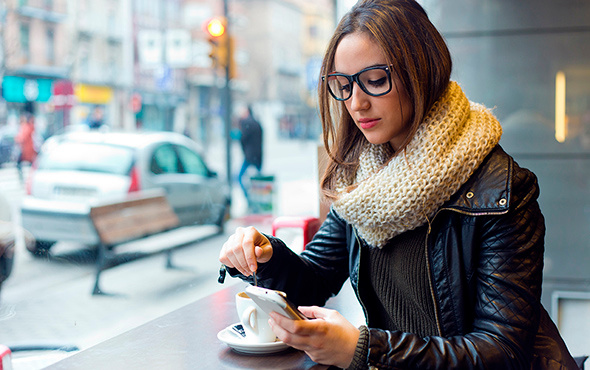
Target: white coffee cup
254	320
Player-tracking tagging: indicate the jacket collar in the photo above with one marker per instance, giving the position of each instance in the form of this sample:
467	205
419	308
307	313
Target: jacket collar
488	189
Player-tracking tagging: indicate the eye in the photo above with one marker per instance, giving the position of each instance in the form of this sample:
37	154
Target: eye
339	84
345	88
378	82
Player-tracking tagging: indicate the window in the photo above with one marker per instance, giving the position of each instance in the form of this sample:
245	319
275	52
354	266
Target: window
506	54
25	42
191	162
84	52
113	66
87	157
164	160
50	45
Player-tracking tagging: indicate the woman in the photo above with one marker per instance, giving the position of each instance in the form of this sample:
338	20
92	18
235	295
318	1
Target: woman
438	229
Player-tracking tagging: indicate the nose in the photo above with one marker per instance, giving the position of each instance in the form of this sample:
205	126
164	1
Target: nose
359	100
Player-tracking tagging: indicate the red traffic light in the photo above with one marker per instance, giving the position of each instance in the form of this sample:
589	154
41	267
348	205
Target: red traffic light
216	27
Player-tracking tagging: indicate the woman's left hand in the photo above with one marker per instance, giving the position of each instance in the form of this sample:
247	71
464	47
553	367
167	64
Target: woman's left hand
328	338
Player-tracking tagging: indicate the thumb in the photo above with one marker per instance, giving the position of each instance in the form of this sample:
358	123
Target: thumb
263	253
314	312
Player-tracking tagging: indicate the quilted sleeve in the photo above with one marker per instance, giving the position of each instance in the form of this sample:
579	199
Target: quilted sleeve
314	276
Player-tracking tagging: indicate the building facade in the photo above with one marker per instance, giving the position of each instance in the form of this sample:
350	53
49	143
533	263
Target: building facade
161	55
101	54
281	76
34	57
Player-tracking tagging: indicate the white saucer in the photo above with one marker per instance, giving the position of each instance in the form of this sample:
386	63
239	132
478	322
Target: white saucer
238	344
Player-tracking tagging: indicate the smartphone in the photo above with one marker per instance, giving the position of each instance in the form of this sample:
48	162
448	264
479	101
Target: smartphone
274	301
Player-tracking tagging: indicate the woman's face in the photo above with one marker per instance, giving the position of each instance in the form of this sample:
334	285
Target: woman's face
383	118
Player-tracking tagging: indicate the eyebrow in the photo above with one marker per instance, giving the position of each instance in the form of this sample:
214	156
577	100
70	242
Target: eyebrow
374	65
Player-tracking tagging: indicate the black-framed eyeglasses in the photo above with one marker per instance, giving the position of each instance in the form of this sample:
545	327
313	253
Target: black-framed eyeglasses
375	81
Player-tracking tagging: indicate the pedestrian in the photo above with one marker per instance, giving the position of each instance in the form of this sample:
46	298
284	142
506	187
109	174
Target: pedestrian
96	120
26	141
437	228
251	140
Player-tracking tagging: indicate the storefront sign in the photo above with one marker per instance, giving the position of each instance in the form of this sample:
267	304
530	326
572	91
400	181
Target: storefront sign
63	94
93	94
21	90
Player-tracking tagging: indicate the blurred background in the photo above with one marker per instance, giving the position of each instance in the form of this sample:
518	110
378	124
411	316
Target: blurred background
153	65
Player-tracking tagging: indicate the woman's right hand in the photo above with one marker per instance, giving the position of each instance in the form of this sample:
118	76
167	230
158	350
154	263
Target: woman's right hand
245	249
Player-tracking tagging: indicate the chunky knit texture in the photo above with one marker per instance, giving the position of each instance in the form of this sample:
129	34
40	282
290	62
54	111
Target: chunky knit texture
449	145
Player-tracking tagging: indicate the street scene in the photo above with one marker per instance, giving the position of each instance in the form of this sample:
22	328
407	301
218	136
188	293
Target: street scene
48	301
452	140
176	78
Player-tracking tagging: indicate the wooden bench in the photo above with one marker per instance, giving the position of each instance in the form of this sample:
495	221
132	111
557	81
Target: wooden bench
132	219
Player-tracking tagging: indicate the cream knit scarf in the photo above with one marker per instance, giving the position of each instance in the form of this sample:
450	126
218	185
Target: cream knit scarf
449	145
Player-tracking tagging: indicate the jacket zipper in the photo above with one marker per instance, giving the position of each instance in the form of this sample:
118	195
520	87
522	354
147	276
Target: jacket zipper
436	314
494	213
358	278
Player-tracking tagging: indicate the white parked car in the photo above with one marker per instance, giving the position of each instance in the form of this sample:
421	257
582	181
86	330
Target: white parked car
79	169
7	240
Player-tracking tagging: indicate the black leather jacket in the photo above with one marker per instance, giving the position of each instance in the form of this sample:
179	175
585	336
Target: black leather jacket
485	257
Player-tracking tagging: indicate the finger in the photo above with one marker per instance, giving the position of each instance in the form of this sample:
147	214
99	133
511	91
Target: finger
263	253
279	319
235	252
297	327
235	262
226	250
294	340
314	312
251	239
223	254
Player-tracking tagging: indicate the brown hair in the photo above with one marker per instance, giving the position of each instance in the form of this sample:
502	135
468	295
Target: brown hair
419	56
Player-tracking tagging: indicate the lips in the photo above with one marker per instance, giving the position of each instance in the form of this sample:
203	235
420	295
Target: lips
367	123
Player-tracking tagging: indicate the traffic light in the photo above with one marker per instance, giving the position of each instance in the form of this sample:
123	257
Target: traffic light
221	52
217	35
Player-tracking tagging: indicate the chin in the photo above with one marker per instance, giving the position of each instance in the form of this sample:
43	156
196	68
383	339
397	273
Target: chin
376	140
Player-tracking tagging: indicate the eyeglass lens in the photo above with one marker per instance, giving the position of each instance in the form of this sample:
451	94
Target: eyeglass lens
372	81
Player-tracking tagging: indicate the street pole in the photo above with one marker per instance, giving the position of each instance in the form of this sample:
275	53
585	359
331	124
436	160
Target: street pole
227	112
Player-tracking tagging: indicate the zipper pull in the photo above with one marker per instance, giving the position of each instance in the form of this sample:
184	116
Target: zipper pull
222	272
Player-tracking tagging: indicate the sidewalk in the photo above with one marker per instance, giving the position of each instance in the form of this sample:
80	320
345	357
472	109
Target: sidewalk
296	185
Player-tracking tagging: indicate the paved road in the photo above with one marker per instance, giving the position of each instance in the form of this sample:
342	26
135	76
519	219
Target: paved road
49	301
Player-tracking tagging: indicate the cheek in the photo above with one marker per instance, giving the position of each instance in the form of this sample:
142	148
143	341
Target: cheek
402	109
347	104
407	108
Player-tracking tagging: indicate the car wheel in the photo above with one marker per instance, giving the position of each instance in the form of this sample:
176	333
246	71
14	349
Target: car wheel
40	248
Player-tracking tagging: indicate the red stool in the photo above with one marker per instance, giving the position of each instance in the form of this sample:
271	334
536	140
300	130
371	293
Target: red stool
5	358
310	226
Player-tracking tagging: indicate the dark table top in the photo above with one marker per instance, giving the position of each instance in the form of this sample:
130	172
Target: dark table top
187	339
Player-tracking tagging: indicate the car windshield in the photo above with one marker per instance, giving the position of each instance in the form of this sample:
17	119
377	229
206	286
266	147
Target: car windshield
87	157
